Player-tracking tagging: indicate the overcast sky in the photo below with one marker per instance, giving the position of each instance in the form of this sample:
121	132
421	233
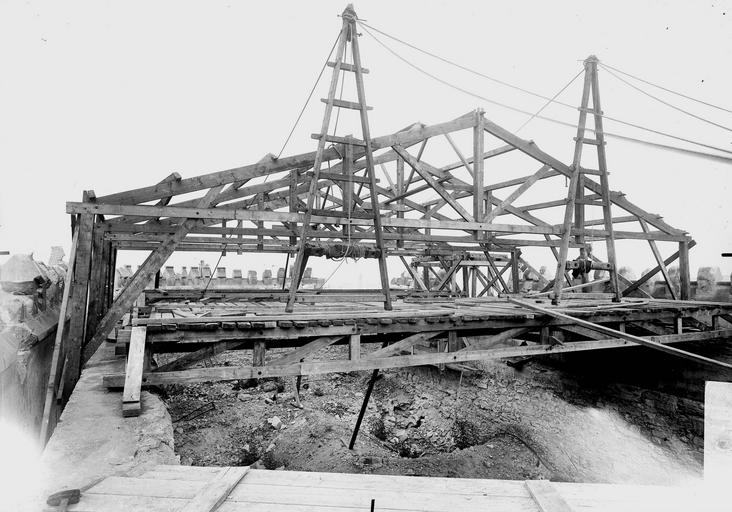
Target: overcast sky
116	95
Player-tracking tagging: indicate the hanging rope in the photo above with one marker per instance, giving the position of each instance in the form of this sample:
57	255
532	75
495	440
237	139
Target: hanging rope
607	66
679	109
550	101
464	68
571	125
302	111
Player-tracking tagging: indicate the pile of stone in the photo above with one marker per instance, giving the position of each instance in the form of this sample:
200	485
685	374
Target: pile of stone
30	295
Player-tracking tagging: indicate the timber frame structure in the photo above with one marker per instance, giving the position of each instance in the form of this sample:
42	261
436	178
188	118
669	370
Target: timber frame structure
443	216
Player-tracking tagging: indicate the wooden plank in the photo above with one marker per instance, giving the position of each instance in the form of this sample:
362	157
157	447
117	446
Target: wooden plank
354	347
133	372
684	271
78	303
659	260
546	496
625	336
218	489
59	355
306	350
320	367
487	342
418	167
194	357
637	284
405	344
541	173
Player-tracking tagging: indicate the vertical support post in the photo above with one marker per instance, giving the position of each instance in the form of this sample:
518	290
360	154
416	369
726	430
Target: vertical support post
111	278
604	183
260	224
453	341
572	192
515	255
293	202
364	405
478	170
96	281
258	352
544	335
399	191
684	271
350	17
78	302
348	187
354	347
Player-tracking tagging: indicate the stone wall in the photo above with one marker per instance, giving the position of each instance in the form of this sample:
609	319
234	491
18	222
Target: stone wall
30	297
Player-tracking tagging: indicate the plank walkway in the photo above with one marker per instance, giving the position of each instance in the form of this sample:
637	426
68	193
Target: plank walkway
418	331
205	489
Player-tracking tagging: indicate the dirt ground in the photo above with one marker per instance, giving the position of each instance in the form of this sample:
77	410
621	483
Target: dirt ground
497	422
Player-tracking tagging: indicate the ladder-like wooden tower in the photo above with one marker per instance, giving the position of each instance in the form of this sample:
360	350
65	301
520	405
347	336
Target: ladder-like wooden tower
577	200
348	35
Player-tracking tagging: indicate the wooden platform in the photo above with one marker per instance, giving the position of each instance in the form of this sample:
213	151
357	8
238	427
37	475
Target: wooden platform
418	331
200	489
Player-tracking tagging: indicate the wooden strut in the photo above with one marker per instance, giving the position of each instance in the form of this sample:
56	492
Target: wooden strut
624	335
364	405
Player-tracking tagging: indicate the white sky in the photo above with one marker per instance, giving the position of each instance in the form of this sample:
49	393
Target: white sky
112	96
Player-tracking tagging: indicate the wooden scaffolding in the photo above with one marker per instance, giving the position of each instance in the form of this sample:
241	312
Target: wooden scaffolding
442	214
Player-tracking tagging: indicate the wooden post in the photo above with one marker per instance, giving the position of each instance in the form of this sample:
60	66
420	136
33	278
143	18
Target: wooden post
400	189
478	170
515	255
604	182
258	353
684	271
348	187
292	203
573	183
354	347
349	16
78	302
96	282
260	224
145	273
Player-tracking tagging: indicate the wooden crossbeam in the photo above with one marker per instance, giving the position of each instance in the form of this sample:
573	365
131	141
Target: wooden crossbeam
427	177
637	284
500	208
320	367
206	181
144	274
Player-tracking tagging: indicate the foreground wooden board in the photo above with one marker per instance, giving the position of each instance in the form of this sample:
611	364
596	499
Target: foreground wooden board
173	488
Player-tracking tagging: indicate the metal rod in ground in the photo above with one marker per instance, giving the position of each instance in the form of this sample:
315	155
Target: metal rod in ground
365	404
